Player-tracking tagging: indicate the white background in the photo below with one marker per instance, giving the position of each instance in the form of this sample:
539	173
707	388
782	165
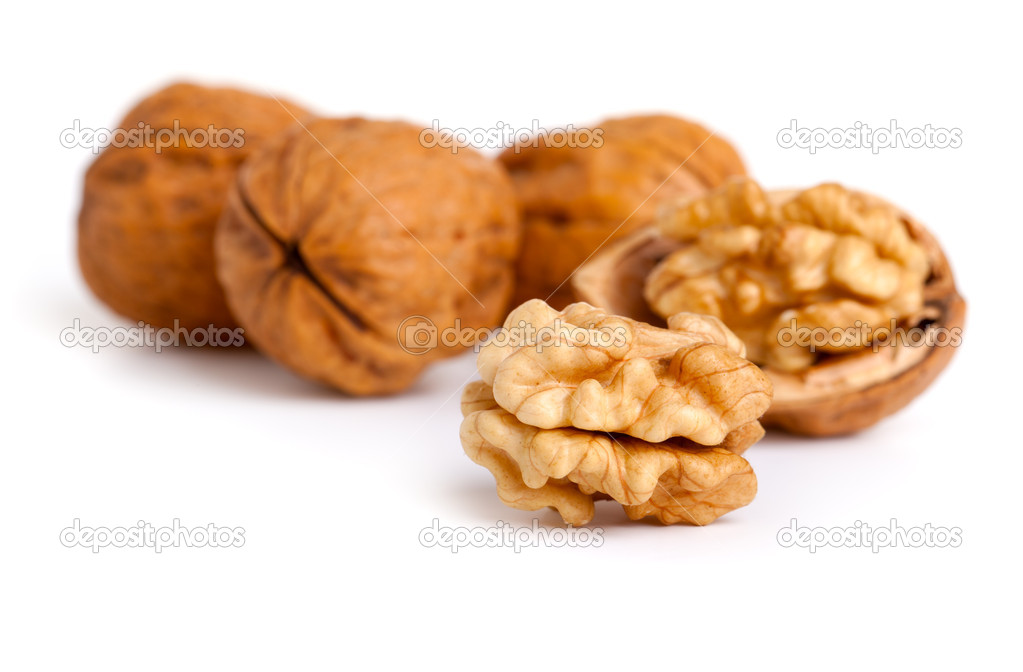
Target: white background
333	492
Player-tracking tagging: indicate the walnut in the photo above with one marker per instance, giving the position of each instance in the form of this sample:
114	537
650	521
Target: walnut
586	369
656	420
576	199
336	235
824	259
145	232
677	481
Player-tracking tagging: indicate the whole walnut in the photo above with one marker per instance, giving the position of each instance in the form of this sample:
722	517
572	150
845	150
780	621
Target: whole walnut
351	253
578	198
145	231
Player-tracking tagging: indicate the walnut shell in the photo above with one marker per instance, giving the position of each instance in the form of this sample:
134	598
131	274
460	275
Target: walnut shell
338	234
840	393
577	199
145	231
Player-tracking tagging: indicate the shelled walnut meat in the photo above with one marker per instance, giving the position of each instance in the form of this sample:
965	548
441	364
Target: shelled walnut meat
602	184
347	246
838	295
579	405
151	202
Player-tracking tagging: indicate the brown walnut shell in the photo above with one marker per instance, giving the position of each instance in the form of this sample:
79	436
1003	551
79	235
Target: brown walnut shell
342	237
576	199
145	231
838	395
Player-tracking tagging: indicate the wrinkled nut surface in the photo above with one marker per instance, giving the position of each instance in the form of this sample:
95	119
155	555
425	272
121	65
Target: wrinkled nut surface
841	391
580	196
586	369
145	231
347	246
578	405
824	259
677	481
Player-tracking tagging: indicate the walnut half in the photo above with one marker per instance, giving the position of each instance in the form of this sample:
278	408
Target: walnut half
823	259
579	405
583	368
